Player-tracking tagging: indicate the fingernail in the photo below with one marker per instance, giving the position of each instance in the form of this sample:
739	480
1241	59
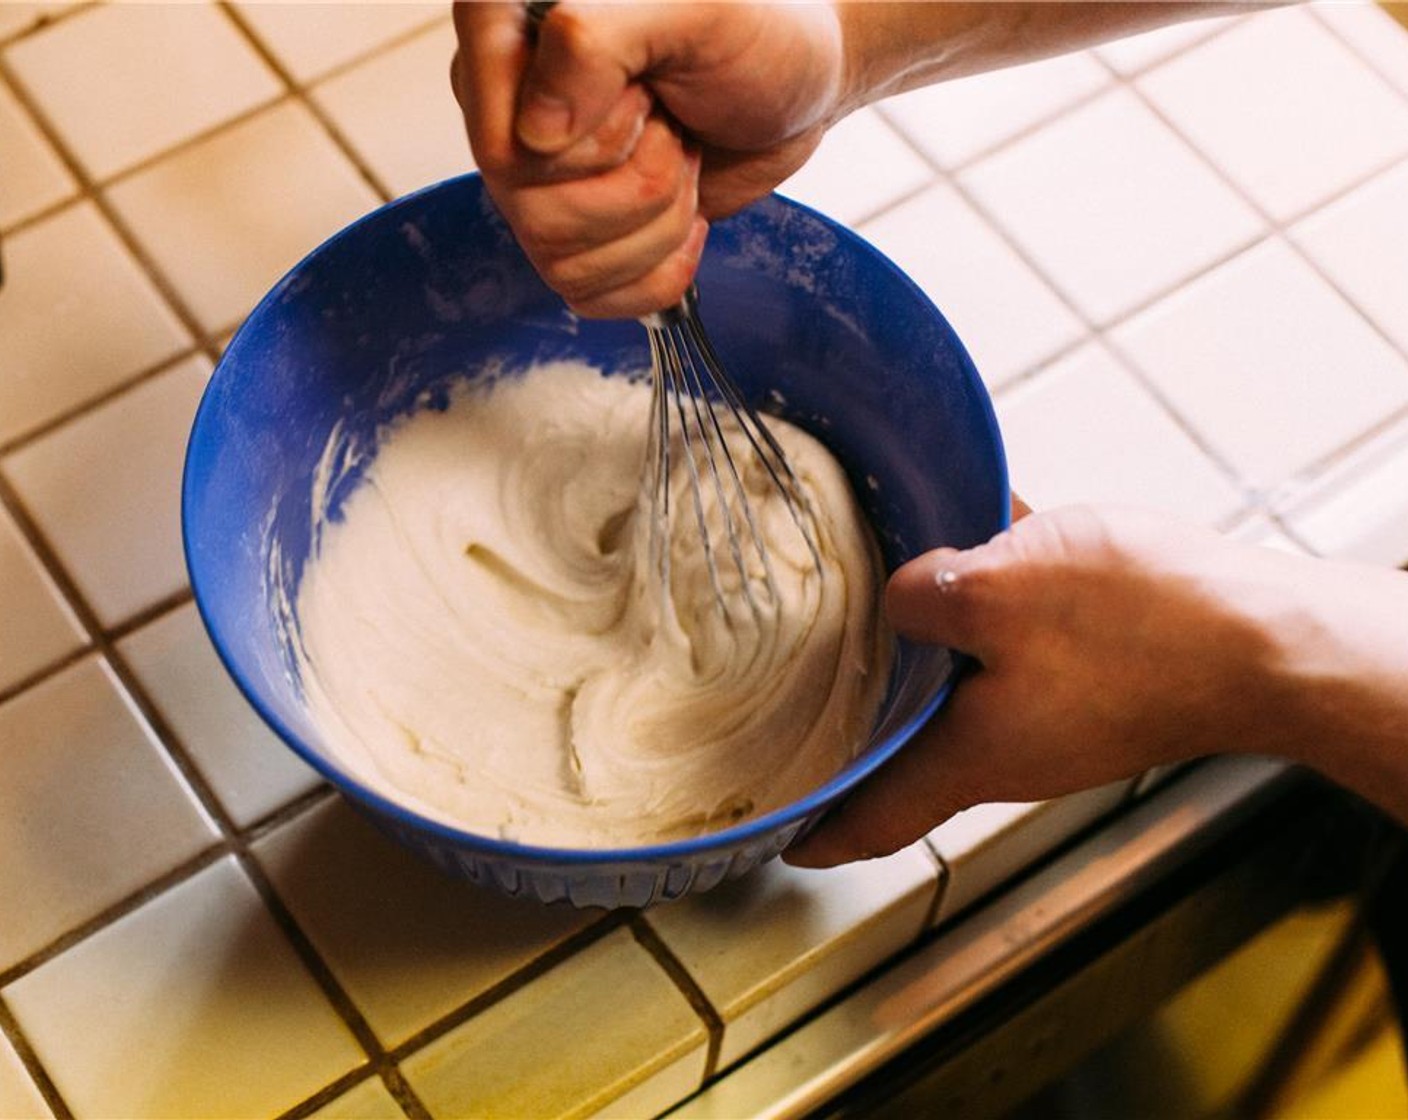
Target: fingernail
544	122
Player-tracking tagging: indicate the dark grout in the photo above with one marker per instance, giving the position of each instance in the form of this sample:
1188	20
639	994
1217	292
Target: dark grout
46	20
187	869
10	1028
539	966
679	975
92	404
300	94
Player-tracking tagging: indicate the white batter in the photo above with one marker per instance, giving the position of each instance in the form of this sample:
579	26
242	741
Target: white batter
483	637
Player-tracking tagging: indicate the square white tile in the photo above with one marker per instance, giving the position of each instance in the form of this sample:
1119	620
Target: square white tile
1361	241
1133	53
123	82
105	490
77	318
420	944
1085	430
192	1005
984	846
1359	510
247	765
769	947
35	177
954	121
225	218
40	627
605	1023
1372	33
395	111
91	808
20	1098
1267	362
861	166
1111	205
1008	317
311	39
1284	108
368	1100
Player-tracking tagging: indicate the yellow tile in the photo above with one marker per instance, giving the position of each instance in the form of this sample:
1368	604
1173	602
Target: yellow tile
984	846
368	1100
603	1024
91	808
310	39
78	317
20	1098
34	176
248	766
225	218
770	946
39	625
124	82
105	489
420	944
192	1005
395	111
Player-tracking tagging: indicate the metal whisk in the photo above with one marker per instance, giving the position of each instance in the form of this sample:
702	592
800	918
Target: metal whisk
690	387
690	383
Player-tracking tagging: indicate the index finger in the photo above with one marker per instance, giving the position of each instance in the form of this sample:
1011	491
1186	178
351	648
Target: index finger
488	68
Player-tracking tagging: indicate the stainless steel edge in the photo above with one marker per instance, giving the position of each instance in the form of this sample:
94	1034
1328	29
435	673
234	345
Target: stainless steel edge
989	946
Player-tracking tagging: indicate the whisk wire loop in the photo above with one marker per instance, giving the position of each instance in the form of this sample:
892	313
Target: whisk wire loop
686	374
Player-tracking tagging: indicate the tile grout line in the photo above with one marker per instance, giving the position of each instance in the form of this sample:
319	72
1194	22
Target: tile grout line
1113	76
1363	59
234	842
147	615
301	95
231	841
10	1029
45	20
649	940
1254	498
88	405
90	191
1098	332
187	869
1093	331
516	981
1280	230
404	1096
943	876
238	844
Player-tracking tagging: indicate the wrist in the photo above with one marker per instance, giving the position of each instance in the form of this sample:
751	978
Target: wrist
1337	681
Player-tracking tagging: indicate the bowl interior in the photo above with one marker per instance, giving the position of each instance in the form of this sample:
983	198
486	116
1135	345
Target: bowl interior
384	318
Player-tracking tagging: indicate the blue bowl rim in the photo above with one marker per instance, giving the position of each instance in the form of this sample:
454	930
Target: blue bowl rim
674	851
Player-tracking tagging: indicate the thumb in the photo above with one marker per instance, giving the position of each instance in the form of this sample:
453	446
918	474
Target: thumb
574	77
948	598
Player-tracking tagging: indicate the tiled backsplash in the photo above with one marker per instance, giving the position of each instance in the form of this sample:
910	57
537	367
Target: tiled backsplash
1180	262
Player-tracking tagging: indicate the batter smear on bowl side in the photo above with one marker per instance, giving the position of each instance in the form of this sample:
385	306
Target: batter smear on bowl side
483	637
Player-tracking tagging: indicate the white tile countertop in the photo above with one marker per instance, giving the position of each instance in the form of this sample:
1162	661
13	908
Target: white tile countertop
1180	263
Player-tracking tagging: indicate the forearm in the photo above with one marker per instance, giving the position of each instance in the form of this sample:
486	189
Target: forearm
1345	683
893	47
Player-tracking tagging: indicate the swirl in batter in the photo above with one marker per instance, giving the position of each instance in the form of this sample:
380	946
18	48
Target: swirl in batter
484	639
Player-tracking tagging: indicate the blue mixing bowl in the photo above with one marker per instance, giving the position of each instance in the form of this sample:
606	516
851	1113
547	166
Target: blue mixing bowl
813	323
